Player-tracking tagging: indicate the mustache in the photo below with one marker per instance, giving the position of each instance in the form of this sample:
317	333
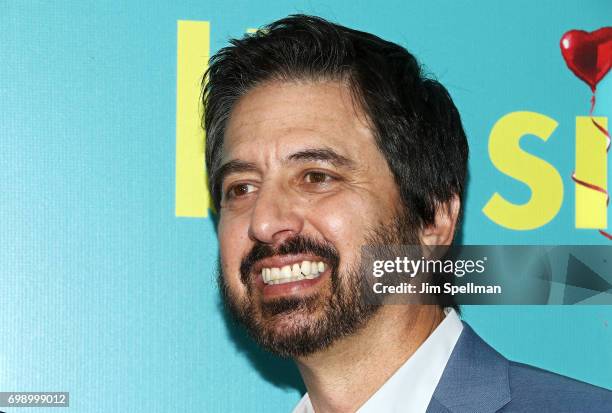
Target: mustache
298	244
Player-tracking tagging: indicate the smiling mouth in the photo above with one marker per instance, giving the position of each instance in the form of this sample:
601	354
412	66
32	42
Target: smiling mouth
305	270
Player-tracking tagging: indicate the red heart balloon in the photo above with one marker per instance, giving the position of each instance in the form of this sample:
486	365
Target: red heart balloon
588	55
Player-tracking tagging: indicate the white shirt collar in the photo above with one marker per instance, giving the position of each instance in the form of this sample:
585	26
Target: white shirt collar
411	387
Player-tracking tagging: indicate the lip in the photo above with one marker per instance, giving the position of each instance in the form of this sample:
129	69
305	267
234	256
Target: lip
294	288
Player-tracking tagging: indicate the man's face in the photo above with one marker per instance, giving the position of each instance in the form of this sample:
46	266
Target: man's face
304	186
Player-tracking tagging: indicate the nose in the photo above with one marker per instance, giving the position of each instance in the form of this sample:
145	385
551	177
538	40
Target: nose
275	216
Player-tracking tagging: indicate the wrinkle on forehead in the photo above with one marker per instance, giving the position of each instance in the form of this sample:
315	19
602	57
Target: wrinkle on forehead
277	114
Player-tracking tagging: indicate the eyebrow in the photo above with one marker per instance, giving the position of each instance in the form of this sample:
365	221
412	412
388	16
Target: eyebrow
322	155
316	154
232	167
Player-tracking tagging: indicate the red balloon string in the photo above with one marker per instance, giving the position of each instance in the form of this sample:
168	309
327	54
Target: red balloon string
606	234
591	186
588	184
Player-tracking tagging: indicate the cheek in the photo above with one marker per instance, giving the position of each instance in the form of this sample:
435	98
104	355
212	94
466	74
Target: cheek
234	245
345	222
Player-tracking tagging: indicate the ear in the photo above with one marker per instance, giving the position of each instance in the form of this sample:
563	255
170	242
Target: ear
442	231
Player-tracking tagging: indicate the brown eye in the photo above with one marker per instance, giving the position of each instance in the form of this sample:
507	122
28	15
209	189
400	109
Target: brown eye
239	190
317	177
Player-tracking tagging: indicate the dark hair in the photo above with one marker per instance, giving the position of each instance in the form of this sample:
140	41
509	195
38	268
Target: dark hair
414	121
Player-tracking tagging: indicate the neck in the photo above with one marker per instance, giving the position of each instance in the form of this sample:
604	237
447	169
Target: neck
344	376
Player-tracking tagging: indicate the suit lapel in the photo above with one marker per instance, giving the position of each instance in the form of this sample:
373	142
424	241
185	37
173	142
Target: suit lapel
436	407
475	378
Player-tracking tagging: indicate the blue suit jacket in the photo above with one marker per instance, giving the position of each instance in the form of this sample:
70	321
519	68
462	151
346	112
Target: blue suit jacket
477	379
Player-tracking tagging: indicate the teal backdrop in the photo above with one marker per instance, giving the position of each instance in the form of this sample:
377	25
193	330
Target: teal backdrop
108	295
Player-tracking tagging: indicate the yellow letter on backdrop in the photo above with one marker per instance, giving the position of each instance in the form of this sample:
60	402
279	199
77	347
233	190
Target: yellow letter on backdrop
591	167
193	50
541	177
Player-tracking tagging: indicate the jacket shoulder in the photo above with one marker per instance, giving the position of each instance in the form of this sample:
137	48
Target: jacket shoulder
533	388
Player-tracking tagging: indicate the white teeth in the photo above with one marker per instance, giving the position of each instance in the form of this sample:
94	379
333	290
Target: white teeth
295	272
313	271
305	267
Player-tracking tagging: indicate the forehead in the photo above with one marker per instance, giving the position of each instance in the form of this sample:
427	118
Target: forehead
277	118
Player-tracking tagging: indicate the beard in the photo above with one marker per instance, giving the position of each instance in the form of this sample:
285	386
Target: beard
301	326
